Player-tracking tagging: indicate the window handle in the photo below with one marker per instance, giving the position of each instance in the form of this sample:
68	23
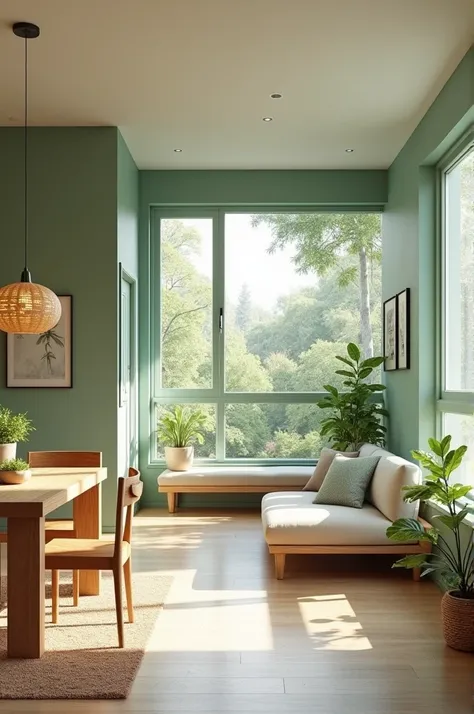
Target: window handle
221	319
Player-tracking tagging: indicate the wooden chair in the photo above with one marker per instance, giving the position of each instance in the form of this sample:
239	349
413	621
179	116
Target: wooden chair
92	554
61	527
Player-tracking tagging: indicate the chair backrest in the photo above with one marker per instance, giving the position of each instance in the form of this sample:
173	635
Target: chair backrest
64	459
129	491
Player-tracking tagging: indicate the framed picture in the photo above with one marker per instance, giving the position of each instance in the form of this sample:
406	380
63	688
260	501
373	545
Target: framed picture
43	360
403	323
390	334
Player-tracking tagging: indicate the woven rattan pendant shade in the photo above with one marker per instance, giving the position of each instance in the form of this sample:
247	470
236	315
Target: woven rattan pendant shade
28	308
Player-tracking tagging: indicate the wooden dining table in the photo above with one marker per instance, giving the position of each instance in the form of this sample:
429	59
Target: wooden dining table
25	506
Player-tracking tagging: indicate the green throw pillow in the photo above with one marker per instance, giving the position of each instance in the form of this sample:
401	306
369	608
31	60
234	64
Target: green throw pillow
347	481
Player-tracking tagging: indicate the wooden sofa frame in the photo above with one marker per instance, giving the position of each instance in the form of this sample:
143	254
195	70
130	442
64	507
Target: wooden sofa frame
173	492
281	551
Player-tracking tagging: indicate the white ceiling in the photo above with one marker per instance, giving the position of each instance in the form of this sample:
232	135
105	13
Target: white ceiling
197	75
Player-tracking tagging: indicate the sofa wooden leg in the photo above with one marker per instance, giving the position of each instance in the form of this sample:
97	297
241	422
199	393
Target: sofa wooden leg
416	574
172	502
280	565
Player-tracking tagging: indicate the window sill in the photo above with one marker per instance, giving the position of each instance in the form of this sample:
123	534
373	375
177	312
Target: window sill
468	521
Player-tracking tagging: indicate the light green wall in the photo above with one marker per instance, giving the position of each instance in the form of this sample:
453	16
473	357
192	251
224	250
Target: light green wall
409	253
73	236
127	208
233	188
363	189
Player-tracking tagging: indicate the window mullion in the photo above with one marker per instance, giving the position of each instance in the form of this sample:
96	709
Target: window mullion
219	329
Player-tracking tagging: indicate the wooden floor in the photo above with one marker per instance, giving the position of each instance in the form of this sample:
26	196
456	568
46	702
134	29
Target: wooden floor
338	635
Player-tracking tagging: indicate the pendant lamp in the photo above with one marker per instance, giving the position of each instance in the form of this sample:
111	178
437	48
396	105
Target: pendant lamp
27	307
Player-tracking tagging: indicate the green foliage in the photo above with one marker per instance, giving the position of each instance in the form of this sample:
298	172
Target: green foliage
289	444
320	239
186	309
247	431
181	426
14	465
354	418
244	307
14	427
455	564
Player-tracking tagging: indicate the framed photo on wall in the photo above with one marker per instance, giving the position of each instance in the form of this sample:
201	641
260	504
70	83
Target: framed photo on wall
45	360
403	328
390	334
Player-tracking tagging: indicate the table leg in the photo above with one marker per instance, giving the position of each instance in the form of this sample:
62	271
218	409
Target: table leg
25	587
87	512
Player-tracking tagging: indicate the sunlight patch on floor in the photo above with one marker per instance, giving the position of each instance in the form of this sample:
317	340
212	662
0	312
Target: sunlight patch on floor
331	623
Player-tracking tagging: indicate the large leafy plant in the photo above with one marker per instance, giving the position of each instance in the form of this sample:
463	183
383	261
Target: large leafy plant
14	427
355	417
181	426
454	560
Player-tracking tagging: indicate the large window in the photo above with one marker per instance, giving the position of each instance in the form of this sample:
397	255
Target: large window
457	397
249	312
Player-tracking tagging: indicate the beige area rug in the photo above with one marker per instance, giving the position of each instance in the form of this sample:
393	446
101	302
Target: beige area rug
82	659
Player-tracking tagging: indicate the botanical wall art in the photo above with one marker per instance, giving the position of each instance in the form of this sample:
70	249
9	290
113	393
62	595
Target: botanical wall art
390	349
42	360
403	321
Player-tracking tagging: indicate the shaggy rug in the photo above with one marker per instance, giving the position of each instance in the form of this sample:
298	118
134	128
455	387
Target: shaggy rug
82	659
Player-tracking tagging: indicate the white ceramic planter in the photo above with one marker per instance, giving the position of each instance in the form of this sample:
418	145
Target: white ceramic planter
7	452
179	458
13	478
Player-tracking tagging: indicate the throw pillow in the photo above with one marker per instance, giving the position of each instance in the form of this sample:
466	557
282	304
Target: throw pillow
325	460
346	481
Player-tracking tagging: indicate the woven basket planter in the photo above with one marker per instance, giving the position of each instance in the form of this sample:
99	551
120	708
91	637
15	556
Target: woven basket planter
458	622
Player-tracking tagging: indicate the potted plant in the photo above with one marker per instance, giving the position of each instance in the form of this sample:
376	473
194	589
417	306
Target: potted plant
13	428
452	557
14	471
355	418
178	429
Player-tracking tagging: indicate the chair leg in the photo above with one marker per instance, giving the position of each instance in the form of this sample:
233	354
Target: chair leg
127	572
75	587
118	604
55	595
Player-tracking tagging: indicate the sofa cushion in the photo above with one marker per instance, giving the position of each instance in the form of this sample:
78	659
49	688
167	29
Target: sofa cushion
391	474
291	518
346	481
326	458
292	477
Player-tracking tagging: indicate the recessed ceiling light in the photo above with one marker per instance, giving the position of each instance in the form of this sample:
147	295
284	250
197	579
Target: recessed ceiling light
276	96
349	151
267	119
177	151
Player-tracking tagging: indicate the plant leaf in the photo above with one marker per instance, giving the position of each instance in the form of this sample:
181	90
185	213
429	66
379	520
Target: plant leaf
405	529
415	560
435	446
353	351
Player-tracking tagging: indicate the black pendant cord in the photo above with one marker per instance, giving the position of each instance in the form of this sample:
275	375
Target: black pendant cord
27	31
26	277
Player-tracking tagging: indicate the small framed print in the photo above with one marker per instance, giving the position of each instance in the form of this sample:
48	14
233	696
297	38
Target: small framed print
45	360
390	334
403	329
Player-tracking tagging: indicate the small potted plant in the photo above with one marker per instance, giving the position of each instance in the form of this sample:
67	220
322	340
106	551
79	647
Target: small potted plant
14	471
13	428
178	429
355	418
452	556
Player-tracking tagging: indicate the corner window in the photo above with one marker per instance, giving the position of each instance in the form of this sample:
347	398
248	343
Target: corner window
456	403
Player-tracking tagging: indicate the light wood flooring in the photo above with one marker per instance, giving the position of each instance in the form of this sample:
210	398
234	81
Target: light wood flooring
338	635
